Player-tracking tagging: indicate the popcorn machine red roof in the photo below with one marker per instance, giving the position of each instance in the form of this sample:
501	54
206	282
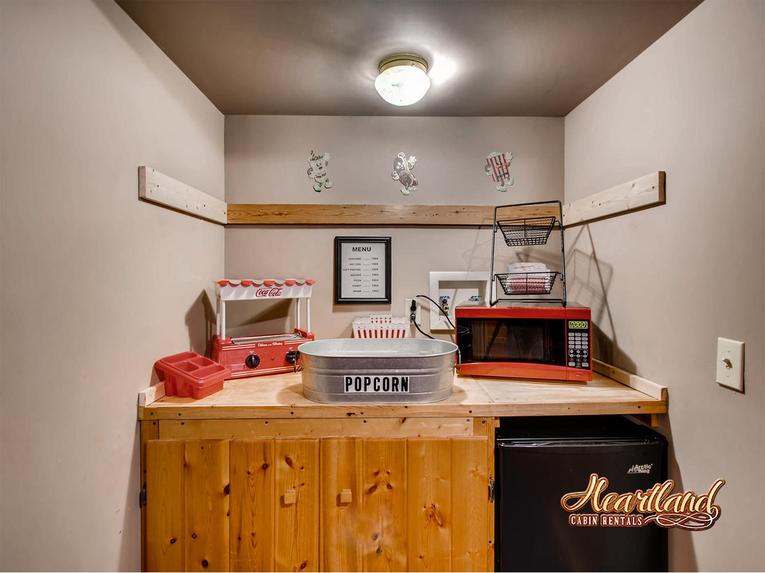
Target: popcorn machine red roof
264	354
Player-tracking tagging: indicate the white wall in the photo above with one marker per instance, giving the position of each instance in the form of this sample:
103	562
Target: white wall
266	162
666	282
95	284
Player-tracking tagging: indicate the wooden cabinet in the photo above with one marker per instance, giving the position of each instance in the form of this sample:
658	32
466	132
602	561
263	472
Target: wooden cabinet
331	504
258	477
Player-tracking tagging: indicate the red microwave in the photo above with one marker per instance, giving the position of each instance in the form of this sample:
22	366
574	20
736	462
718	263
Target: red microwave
531	342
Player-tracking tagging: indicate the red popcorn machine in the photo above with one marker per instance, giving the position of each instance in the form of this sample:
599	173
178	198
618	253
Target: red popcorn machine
265	354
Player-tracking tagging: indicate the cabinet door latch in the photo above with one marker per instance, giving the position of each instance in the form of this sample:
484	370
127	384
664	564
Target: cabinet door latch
142	497
491	490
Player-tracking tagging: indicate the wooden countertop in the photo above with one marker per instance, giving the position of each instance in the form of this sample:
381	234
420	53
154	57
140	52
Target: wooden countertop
281	396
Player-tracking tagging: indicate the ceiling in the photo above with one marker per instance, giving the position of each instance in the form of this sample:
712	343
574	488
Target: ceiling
319	57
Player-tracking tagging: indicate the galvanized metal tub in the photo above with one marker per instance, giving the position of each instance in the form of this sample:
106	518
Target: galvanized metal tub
378	370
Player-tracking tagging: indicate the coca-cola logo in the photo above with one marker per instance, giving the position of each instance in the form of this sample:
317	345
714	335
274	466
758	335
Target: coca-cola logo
272	291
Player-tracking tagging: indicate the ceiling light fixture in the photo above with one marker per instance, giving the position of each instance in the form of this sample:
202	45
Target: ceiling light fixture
403	79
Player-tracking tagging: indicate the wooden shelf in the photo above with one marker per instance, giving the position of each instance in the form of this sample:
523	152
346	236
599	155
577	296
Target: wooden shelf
379	215
642	193
158	188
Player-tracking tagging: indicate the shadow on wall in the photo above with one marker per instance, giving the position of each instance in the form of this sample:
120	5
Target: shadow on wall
200	322
682	555
588	282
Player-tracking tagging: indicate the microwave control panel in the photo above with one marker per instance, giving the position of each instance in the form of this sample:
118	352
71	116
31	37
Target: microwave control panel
578	343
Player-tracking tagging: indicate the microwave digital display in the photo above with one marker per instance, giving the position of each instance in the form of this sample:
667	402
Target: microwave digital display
578	324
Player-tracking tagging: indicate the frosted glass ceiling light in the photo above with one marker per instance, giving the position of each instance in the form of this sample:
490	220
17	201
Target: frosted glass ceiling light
403	79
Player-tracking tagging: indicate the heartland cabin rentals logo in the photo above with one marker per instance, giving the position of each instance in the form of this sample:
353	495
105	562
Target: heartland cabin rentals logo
687	510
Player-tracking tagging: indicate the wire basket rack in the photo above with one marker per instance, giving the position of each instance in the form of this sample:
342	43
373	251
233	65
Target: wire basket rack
527	283
526	232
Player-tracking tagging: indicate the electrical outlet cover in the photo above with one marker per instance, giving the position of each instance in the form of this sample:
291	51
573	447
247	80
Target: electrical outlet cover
418	312
730	363
460	287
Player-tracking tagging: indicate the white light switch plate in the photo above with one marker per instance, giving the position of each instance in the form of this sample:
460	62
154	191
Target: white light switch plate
730	363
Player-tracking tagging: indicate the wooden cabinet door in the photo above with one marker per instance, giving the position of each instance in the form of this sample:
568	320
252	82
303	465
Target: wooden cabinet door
384	497
354	504
296	523
187	504
246	505
274	505
398	505
448	504
253	503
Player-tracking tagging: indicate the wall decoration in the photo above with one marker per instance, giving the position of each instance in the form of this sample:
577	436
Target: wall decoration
362	270
317	171
498	168
402	172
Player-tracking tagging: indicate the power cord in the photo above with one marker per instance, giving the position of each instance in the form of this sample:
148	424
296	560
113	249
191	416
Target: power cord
439	307
462	330
413	318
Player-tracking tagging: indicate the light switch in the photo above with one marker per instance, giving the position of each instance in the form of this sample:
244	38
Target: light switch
730	363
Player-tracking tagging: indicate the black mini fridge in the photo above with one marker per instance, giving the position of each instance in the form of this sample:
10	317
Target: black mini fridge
539	460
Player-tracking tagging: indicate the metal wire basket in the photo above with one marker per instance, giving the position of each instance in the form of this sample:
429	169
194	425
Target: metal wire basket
529	231
527	283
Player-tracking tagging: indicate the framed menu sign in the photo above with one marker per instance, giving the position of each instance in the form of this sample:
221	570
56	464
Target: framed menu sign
362	270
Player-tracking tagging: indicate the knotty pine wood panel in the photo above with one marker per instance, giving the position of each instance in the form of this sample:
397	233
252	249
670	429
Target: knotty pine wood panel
207	505
252	505
341	510
296	544
383	529
165	506
322	428
470	508
378	505
429	511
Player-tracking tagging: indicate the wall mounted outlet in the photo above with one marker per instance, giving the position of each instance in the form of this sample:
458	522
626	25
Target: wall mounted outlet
408	307
730	363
